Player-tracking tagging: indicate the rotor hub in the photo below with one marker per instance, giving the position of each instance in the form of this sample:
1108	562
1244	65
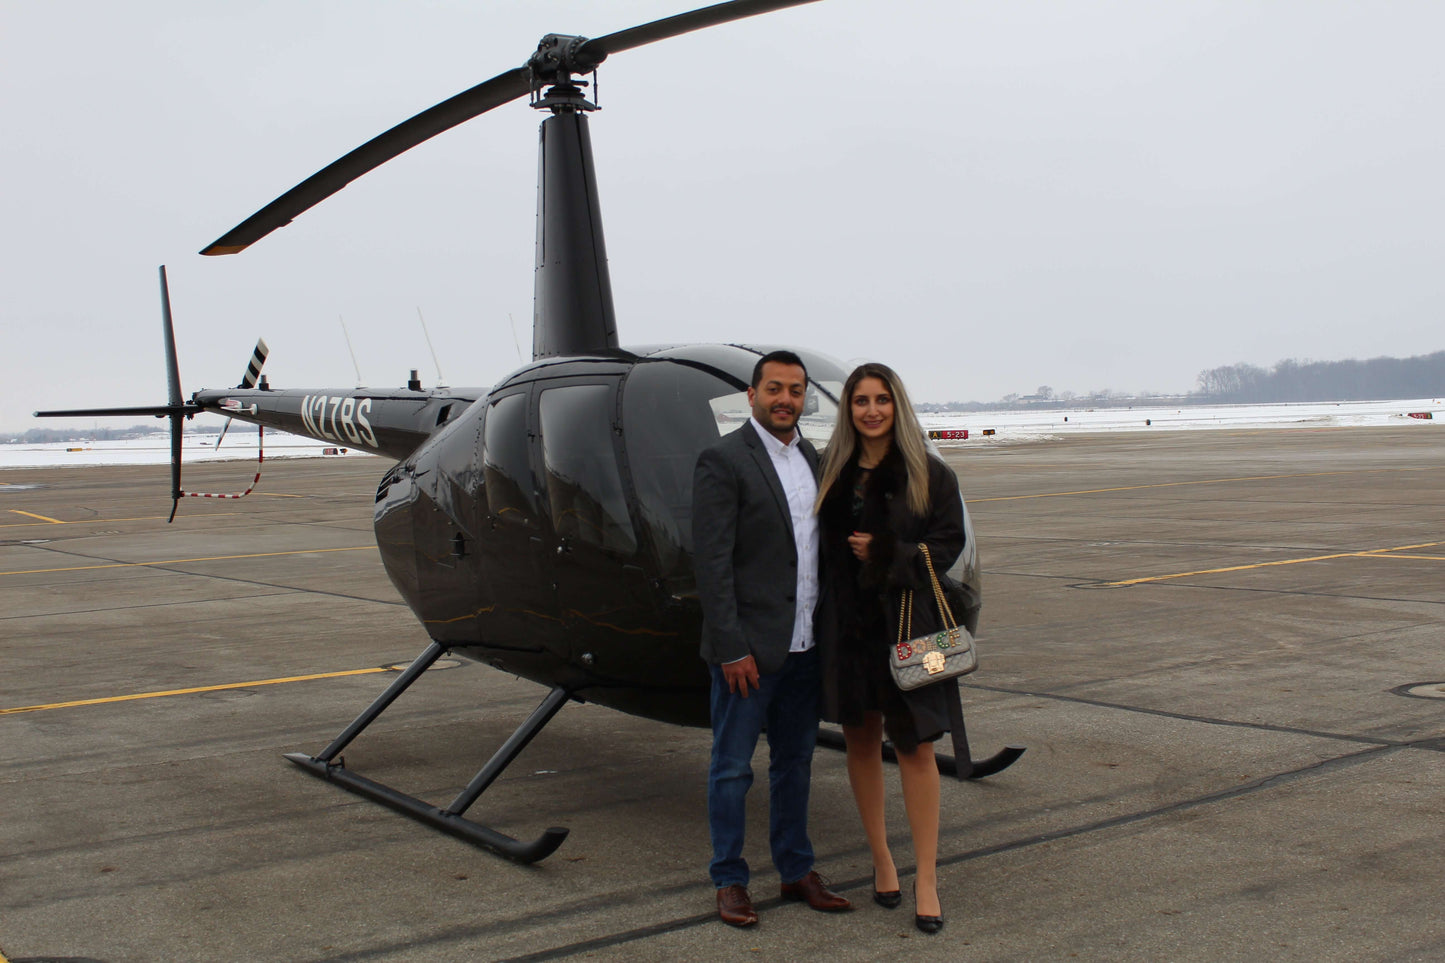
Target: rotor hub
559	55
557	58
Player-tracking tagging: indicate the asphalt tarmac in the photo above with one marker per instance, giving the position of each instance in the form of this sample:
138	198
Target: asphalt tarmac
1207	641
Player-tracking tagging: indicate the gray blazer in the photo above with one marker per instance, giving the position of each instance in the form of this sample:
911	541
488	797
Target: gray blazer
743	551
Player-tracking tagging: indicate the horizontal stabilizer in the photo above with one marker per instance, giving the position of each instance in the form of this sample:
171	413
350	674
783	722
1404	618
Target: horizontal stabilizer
159	411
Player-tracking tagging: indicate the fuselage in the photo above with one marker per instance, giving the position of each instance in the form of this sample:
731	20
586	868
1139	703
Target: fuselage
547	530
544	526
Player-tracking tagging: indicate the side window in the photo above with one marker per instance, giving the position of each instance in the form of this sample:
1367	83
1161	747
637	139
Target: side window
671	412
507	475
584	488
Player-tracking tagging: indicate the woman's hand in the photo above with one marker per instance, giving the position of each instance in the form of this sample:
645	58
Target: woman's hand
859	542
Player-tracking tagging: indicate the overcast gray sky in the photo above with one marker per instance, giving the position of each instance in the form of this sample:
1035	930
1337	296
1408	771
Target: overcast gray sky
988	196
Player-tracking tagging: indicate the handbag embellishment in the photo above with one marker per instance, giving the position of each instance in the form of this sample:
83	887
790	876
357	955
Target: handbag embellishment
936	656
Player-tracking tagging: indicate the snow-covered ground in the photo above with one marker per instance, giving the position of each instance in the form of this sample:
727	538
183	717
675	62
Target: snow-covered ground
1007	426
156	450
1042	425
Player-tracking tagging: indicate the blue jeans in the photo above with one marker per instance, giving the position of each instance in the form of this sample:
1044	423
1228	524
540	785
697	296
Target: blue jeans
786	702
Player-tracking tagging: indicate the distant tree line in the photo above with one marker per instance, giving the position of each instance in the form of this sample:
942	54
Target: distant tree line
43	436
1378	379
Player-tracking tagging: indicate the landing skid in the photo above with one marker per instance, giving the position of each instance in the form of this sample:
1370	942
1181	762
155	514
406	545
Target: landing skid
961	765
449	820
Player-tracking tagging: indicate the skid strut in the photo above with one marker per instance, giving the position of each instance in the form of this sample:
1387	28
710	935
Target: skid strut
449	820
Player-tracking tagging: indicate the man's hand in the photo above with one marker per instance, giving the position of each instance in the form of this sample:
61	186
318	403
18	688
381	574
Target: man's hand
740	675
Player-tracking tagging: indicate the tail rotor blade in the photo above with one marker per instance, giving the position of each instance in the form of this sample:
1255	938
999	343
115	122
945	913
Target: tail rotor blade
224	428
173	395
248	380
177	423
258	361
173	368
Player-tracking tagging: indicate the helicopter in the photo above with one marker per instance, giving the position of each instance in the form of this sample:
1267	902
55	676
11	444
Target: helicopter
541	526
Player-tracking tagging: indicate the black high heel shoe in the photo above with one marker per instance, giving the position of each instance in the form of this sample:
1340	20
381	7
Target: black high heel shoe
889	900
926	924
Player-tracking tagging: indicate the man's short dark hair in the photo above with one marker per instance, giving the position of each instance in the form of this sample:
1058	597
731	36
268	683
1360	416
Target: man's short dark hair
779	357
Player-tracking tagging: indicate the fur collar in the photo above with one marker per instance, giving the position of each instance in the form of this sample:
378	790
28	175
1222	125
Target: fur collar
886	486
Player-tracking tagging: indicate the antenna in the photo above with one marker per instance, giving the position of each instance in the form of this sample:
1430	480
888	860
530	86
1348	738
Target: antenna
345	334
441	379
515	343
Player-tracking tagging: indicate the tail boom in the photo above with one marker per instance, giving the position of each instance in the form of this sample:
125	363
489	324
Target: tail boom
388	422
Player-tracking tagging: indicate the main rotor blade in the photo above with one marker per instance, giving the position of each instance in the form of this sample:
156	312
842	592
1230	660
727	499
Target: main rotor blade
598	48
403	137
487	95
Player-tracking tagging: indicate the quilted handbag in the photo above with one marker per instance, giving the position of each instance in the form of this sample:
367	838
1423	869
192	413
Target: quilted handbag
925	659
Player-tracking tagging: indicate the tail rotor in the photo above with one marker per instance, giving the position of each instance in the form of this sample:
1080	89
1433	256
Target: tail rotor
175	408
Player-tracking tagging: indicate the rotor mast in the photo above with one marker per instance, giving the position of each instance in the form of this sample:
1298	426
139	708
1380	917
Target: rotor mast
572	294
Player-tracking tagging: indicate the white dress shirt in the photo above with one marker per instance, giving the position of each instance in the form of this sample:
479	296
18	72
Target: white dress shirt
802	490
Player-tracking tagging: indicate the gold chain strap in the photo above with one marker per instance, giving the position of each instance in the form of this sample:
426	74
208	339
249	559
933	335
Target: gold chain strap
905	609
948	620
905	616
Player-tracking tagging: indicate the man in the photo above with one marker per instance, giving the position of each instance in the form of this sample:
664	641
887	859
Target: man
755	542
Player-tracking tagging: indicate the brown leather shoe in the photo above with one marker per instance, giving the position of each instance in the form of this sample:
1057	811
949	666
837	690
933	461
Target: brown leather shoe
814	889
735	906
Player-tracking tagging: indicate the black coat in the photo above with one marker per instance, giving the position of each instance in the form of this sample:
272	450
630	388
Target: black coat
856	623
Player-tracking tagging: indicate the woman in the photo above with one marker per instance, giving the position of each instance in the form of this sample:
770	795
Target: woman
879	495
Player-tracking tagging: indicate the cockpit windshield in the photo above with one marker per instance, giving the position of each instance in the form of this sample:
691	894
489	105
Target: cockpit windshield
678	401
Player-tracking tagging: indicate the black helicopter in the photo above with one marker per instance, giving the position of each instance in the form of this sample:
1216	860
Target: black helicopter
541	526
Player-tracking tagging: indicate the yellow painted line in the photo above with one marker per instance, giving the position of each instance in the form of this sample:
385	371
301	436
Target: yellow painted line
204	688
1423	558
43	518
1231	568
1180	484
1372	553
104	521
179	561
1402	548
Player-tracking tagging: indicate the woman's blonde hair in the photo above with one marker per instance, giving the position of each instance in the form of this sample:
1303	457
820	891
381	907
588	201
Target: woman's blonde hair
907	436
